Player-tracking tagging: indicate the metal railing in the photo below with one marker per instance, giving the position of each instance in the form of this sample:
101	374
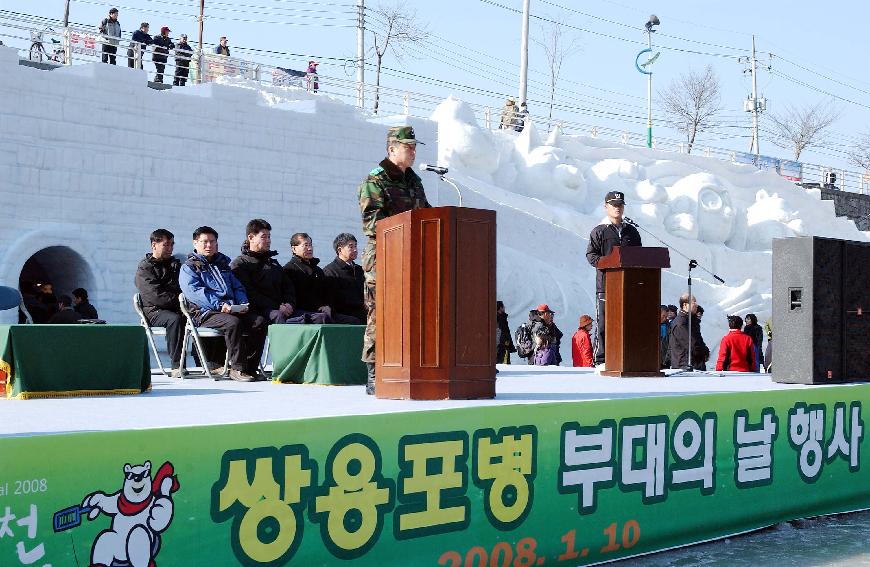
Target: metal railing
78	45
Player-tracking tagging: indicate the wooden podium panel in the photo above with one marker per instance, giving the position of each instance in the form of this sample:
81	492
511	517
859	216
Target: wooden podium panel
435	304
633	287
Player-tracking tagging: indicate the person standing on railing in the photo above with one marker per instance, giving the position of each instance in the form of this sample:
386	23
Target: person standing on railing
311	77
110	30
162	45
183	55
138	44
223	47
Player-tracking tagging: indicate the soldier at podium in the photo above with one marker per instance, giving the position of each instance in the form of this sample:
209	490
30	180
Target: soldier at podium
390	188
602	239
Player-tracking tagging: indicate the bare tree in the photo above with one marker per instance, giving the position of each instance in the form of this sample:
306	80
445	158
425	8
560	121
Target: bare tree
859	153
398	28
797	129
692	102
558	45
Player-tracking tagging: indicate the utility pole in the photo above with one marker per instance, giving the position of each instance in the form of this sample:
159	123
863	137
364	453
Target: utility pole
200	59
524	54
66	47
360	54
755	106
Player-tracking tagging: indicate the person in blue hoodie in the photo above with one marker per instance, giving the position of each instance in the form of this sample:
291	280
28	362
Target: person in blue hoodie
218	300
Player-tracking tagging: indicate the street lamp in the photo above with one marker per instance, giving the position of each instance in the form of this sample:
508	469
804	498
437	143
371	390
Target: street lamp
653	21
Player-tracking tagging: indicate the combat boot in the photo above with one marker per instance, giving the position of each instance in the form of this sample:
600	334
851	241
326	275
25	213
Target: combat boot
370	384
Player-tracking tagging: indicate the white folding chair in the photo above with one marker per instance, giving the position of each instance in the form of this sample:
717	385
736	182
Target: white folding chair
150	332
197	333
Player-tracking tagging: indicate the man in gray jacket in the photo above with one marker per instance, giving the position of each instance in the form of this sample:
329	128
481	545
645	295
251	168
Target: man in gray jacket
110	30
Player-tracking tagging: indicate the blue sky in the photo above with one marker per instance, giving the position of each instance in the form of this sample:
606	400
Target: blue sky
474	46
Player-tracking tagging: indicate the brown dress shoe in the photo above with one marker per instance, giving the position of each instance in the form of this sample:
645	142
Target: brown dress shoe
240	376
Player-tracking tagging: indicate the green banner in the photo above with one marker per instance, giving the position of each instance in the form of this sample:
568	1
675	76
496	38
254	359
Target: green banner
519	485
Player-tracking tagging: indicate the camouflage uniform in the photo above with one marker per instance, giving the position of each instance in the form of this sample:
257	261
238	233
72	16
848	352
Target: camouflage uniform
387	191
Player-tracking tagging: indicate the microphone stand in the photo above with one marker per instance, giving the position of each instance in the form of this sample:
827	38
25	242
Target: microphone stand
692	265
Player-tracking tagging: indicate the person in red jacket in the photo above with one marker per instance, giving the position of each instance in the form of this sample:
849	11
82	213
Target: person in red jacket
581	344
736	351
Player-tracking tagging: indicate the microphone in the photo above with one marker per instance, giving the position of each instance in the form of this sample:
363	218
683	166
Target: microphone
433	168
629	221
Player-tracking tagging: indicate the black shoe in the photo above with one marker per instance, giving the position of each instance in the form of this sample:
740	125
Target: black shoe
370	384
306	319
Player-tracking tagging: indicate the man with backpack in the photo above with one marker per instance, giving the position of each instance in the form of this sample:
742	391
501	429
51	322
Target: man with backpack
540	320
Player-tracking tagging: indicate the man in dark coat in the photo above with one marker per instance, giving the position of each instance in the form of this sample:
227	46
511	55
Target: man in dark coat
270	291
602	239
82	305
346	279
680	337
504	343
162	45
66	314
183	55
157	283
138	45
313	292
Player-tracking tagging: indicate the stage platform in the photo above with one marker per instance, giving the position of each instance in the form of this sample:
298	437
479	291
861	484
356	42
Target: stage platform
196	401
562	467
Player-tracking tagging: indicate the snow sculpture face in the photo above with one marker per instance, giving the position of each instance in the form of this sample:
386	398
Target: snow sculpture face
716	214
137	482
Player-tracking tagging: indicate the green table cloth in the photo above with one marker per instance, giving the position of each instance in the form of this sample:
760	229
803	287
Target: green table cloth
55	361
317	354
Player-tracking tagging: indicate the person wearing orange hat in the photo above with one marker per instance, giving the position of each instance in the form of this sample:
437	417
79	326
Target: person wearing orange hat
581	343
543	322
162	45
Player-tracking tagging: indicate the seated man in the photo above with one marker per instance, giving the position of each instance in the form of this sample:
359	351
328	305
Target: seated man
312	288
157	283
218	301
269	289
736	351
66	314
82	305
346	279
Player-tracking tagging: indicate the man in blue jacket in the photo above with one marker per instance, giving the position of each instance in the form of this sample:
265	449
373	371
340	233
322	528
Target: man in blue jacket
218	301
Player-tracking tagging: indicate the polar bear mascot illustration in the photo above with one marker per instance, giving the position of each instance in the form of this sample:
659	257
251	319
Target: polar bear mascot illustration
140	512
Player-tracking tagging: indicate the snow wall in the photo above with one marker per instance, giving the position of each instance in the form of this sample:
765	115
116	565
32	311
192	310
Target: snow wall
91	161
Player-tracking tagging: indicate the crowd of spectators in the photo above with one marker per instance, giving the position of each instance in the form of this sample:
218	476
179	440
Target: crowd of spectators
162	46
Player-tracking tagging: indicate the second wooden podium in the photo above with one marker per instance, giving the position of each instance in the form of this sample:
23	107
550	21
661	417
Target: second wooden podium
633	290
435	304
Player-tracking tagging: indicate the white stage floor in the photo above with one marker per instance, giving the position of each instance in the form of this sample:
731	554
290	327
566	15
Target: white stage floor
183	403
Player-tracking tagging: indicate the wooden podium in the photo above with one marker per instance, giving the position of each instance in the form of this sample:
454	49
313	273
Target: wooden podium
435	305
633	291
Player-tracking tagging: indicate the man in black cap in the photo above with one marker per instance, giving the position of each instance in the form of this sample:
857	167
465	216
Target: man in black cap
602	239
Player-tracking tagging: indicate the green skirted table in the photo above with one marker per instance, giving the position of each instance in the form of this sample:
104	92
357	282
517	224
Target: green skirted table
317	354
56	361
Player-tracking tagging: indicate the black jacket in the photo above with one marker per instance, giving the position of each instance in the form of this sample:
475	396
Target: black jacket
265	281
310	283
183	54
346	283
680	343
162	45
157	282
602	239
86	310
141	38
65	317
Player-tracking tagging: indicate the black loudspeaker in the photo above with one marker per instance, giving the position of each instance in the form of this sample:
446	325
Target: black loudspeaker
821	310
